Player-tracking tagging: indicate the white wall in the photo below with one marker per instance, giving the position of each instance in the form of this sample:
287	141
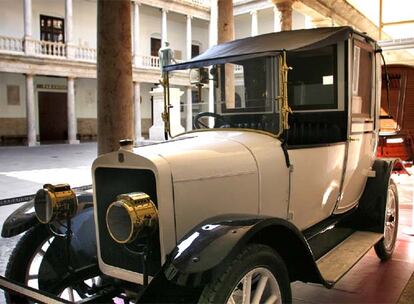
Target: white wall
84	23
242	26
298	21
85	98
266	22
11	18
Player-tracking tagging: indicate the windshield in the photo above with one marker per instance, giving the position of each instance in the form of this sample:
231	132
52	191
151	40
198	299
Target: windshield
237	94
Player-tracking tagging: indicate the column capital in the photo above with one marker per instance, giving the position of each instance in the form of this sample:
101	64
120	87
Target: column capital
165	10
71	77
283	5
253	12
136	2
189	16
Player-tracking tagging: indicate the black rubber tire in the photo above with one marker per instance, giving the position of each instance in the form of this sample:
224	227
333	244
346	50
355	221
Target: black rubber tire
21	257
382	252
254	255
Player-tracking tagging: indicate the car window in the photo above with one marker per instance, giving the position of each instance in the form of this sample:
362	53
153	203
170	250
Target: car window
312	80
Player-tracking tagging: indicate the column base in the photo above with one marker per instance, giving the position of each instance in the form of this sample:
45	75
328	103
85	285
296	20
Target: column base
73	142
33	144
157	133
29	46
71	51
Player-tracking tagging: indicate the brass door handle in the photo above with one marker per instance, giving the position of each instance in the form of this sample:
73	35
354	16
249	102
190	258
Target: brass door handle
353	139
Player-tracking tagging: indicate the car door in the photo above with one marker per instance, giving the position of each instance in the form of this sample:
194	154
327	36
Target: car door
362	138
317	132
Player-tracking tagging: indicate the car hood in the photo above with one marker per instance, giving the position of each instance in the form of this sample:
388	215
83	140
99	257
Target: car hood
212	173
204	155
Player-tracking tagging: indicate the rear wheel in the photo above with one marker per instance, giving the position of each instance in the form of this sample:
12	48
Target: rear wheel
257	275
385	247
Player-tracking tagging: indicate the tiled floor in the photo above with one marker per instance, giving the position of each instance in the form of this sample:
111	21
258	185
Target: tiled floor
23	170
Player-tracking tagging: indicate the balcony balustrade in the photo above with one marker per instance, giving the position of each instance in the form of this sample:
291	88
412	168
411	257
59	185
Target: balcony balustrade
54	50
50	49
11	45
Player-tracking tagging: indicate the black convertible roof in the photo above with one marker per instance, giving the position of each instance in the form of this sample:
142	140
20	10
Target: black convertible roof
267	44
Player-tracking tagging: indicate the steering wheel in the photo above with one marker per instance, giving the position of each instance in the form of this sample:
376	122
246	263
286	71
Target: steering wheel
218	120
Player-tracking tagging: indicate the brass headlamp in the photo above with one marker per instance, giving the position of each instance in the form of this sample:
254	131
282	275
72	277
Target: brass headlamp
55	202
131	215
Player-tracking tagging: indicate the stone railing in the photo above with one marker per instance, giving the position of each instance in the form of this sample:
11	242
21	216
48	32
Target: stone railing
85	54
50	49
150	61
42	49
11	44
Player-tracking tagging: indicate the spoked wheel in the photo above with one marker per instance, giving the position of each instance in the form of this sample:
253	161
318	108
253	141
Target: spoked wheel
257	286
24	265
257	275
385	247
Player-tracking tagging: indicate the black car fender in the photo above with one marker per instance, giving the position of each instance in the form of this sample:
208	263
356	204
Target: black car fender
82	250
24	217
370	215
217	240
82	253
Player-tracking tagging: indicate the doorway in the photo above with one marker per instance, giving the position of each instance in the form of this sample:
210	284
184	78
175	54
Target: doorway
53	116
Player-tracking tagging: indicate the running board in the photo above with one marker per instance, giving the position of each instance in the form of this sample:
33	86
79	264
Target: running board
337	262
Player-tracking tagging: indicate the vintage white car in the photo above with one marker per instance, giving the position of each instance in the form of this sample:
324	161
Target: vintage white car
277	183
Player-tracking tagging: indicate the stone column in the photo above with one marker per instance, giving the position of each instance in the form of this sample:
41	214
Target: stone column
276	20
30	112
254	22
70	48
114	73
164	31
28	18
189	118
285	9
137	61
137	112
226	33
72	122
29	46
189	37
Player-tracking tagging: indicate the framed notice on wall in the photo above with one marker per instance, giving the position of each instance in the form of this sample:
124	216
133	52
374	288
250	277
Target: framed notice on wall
13	95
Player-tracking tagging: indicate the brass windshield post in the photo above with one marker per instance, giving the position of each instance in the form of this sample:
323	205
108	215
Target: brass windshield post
282	99
165	82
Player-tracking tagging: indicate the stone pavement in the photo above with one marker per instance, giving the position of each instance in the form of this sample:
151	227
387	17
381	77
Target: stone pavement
23	170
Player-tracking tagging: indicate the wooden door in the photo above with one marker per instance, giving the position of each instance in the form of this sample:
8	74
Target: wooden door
53	116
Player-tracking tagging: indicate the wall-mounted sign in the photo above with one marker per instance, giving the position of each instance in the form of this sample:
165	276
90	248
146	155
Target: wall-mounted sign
52	86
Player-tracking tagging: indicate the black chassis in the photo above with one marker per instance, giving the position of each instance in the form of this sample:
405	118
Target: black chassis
219	239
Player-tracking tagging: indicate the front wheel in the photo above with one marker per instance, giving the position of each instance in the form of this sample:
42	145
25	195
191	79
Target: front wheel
257	275
24	267
385	247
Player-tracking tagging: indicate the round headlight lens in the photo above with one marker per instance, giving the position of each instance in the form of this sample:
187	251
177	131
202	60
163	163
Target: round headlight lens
119	222
43	205
131	215
55	202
